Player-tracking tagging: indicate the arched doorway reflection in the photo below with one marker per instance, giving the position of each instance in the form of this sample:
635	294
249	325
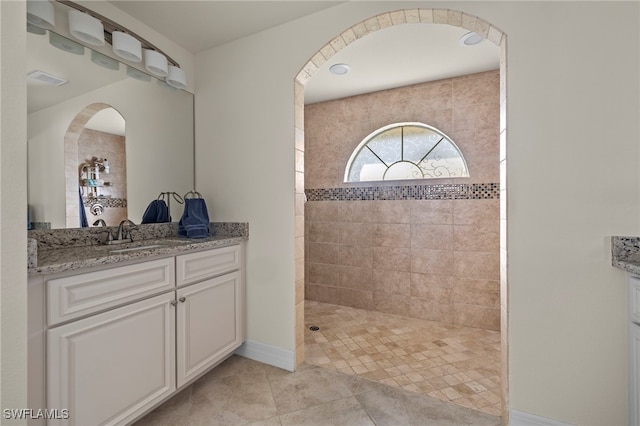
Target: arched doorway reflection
95	168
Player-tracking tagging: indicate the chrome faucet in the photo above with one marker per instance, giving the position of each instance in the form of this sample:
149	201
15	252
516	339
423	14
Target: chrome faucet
100	222
123	234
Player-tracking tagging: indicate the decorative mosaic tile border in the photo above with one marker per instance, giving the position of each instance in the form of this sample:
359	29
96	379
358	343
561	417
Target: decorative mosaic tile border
464	191
105	201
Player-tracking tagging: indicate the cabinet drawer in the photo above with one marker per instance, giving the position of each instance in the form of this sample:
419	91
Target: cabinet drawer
194	267
85	294
634	299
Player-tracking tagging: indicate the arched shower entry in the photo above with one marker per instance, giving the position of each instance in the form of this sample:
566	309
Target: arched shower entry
362	29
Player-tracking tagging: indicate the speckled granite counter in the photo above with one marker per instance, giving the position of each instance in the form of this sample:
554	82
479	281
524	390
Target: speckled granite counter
67	250
625	254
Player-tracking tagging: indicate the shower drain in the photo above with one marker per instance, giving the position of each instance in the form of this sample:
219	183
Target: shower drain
314	328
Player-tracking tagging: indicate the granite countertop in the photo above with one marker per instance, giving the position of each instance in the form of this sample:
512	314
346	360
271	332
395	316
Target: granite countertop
625	254
58	251
69	259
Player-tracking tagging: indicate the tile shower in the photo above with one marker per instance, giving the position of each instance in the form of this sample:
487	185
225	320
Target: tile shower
425	249
403	278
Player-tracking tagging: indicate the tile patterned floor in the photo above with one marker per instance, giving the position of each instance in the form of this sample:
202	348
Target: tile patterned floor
450	363
244	392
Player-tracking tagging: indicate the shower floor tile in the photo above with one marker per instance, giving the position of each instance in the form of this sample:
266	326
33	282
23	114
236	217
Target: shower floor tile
448	362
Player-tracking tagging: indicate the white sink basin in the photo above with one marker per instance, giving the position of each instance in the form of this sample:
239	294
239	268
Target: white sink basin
124	250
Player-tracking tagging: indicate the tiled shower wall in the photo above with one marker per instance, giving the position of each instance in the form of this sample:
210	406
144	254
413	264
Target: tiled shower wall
91	144
427	249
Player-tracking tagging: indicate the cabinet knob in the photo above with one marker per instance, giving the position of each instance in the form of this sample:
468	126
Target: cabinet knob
182	299
174	302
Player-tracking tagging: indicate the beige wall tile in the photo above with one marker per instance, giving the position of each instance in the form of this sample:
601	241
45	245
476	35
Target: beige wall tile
434	237
427	261
474	296
318	273
299	182
479	88
477	265
405	248
391	303
299	248
355	233
434	212
430	310
476	238
322	232
299	323
299	165
299	269
324	253
392	234
476	212
361	299
432	287
476	316
392	211
389	281
299	208
326	211
356	211
355	256
322	293
354	277
299	291
299	232
478	116
394	258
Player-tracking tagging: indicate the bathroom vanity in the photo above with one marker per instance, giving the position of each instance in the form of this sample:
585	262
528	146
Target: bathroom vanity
626	255
114	332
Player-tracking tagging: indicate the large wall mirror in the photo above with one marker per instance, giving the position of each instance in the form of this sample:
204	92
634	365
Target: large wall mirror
109	110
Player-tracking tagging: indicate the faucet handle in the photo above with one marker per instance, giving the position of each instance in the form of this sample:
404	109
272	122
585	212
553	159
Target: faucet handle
109	235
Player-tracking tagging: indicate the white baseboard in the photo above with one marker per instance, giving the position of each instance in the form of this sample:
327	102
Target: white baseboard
522	418
267	354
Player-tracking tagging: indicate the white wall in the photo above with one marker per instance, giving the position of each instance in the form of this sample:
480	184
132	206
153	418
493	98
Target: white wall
572	179
13	199
159	147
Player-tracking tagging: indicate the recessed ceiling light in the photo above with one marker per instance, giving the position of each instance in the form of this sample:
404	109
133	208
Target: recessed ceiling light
471	39
339	69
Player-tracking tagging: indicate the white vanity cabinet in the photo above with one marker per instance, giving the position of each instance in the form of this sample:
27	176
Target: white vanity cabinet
634	350
109	345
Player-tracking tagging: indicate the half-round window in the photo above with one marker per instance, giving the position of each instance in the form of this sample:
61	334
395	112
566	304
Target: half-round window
405	151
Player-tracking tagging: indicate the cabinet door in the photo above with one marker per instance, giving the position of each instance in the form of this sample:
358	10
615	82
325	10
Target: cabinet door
109	368
634	298
209	324
634	374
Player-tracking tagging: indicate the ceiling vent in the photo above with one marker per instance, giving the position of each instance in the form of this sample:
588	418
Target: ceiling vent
46	78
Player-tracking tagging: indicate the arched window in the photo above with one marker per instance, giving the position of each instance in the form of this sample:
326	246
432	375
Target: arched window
405	151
